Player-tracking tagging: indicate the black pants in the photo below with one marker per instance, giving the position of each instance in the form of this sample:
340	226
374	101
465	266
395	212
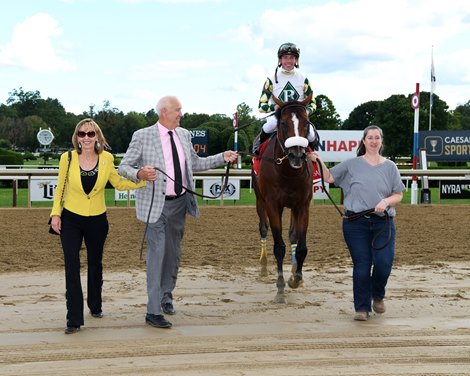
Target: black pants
94	230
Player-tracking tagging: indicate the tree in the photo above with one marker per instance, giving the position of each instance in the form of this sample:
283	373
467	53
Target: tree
462	113
325	116
362	116
395	116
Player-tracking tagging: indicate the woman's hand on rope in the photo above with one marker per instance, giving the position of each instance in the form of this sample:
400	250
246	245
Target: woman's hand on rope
381	206
313	156
147	173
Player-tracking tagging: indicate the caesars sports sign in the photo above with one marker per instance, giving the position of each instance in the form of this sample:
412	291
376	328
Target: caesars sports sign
449	146
335	146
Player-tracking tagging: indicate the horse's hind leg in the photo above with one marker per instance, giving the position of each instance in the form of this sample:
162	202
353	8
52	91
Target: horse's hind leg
263	230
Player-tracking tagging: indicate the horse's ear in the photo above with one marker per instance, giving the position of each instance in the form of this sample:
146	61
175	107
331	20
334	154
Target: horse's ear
307	100
278	101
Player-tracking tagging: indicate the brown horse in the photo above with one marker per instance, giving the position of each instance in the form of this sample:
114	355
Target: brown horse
284	180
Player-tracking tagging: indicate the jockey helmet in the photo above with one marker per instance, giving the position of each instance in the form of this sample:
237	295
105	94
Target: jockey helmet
288	49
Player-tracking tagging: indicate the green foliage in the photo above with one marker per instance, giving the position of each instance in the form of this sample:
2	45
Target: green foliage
5	144
25	112
325	116
462	113
362	116
8	157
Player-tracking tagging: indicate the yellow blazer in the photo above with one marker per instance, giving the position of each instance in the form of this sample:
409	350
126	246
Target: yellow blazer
75	199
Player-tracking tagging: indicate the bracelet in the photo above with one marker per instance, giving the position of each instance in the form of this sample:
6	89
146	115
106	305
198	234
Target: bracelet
386	202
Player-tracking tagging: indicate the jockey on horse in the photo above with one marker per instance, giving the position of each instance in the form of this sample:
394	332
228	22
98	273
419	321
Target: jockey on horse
289	86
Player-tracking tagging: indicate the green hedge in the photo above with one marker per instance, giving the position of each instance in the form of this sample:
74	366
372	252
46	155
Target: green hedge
8	157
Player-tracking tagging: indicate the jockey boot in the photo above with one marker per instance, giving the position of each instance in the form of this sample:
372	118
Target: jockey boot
263	136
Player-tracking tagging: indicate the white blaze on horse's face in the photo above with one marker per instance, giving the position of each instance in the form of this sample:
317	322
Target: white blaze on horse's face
297	140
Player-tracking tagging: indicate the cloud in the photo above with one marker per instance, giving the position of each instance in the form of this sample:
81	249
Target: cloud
171	69
31	46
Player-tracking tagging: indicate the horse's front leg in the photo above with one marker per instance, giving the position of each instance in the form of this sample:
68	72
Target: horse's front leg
293	244
279	253
300	224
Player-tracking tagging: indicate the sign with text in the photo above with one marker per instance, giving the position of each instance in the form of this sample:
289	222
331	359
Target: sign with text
449	146
122	195
337	146
200	140
213	187
43	189
455	189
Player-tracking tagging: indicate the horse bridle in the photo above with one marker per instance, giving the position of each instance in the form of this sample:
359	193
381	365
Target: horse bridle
279	160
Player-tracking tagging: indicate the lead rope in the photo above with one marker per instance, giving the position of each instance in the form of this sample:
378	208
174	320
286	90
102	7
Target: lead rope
224	186
354	216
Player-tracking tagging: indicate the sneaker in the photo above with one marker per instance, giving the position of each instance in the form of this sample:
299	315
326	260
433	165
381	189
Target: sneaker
361	316
378	306
157	321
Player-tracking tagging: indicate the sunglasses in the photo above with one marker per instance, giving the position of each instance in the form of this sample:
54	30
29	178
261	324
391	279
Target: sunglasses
90	134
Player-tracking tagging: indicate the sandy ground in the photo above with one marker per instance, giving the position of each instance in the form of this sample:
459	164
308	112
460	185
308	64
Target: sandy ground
226	321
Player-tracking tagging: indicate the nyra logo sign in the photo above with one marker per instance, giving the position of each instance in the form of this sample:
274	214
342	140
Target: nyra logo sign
455	189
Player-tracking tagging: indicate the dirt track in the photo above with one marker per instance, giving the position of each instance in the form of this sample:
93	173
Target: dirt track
227	237
227	323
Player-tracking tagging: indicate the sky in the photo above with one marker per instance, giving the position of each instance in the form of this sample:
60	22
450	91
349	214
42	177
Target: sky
216	54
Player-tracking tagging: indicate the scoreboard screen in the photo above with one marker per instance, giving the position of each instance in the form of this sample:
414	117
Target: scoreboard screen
199	139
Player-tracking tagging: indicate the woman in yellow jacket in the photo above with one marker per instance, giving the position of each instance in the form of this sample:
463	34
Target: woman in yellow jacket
79	213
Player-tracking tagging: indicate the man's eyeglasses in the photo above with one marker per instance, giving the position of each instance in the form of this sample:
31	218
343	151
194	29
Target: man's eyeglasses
90	134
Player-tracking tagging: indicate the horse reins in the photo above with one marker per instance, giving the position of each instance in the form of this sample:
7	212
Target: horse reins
187	190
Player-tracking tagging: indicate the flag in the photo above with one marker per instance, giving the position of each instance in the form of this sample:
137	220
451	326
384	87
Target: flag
433	79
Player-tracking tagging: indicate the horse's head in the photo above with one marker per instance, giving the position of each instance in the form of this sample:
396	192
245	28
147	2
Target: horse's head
292	129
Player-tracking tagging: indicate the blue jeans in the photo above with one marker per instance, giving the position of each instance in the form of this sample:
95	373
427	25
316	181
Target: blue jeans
371	267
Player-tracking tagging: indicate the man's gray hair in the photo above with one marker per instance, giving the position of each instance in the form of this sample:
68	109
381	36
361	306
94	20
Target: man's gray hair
163	103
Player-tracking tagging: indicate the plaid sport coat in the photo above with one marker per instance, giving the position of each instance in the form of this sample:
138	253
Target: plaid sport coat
145	149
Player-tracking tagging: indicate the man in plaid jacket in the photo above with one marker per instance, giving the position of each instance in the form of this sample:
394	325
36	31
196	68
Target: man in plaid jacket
160	202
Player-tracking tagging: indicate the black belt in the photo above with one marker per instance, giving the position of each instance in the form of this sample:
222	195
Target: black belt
169	198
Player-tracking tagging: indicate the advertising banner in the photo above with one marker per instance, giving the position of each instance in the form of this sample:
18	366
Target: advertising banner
459	189
445	146
122	195
213	187
43	189
337	146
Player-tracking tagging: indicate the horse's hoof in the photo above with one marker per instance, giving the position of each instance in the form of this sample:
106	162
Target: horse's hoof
280	299
295	282
263	271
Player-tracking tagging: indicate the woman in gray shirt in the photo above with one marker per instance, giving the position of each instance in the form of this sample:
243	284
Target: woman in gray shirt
369	181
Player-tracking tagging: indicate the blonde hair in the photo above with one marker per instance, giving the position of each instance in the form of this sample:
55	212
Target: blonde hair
100	143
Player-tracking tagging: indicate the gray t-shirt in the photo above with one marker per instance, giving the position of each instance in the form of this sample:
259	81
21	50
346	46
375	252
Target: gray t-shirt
365	185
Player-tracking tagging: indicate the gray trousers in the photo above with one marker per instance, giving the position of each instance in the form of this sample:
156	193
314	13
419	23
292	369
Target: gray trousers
164	253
